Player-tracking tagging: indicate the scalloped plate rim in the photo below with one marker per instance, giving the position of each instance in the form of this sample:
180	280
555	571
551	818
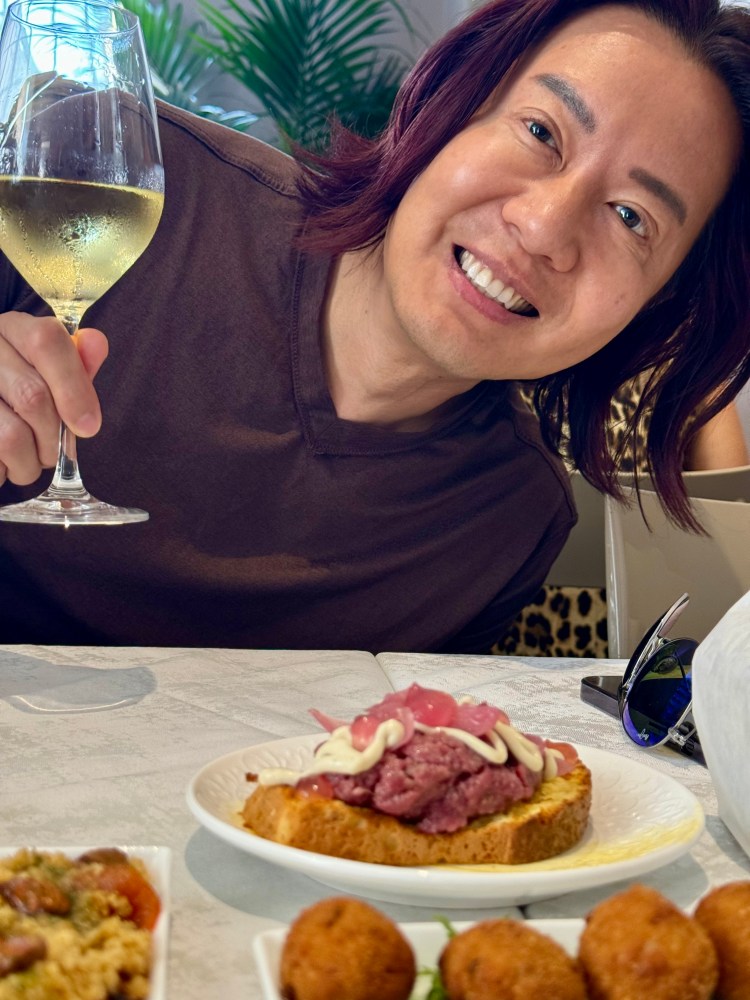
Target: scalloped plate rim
454	887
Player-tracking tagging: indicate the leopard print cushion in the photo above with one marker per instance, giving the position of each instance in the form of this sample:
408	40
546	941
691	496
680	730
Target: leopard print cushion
572	621
560	621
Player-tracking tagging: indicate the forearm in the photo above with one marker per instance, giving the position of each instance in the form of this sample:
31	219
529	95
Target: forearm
719	444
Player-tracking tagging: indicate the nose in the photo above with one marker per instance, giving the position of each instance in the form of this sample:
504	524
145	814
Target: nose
549	218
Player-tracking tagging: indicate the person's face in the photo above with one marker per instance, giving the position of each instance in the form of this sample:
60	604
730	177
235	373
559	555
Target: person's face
579	188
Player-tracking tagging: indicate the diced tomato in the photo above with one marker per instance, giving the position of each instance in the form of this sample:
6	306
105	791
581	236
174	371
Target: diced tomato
128	882
316	786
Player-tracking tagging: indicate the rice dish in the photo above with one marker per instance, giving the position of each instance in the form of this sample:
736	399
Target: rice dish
75	929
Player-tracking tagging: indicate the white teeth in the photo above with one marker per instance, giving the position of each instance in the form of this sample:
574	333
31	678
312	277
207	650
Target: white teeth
483	279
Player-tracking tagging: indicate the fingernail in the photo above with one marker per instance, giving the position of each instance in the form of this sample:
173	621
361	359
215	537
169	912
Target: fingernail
87	424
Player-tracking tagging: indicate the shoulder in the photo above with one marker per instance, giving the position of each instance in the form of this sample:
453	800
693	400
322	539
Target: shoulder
183	133
237	192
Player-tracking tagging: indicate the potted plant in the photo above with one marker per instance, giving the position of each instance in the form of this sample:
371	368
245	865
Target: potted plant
181	70
306	60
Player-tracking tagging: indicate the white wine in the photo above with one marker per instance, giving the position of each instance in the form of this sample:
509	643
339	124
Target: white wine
72	240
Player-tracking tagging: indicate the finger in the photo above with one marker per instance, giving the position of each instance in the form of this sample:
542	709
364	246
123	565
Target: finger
29	421
51	353
93	349
19	457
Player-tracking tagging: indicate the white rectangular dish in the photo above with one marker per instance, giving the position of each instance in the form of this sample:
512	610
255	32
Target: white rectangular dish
157	861
427	940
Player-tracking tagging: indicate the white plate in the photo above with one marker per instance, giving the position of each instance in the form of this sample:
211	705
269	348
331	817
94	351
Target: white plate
157	861
427	940
640	820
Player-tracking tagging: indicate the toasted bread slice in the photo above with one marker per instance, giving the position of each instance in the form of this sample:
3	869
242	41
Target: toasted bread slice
548	824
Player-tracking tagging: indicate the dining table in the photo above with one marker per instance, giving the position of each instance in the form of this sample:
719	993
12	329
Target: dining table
99	745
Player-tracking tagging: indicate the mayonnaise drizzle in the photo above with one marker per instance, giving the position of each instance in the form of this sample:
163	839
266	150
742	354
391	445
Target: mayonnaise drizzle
337	755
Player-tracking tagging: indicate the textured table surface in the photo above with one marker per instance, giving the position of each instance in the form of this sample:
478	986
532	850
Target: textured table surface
98	746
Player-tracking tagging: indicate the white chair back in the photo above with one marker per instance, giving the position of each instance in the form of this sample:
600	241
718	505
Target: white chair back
581	561
715	484
648	569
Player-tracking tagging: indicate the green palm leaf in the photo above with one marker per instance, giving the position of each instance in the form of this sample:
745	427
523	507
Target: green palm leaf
306	60
180	69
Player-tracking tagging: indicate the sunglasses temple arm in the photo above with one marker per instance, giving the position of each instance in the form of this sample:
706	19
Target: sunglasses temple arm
673	614
658	631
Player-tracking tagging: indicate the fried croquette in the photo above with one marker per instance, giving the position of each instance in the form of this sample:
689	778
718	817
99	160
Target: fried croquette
505	958
344	948
725	916
638	944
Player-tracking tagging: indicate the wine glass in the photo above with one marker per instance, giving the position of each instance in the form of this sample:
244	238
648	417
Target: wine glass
81	184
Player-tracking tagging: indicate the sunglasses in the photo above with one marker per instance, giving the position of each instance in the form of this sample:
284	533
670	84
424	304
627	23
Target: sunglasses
655	696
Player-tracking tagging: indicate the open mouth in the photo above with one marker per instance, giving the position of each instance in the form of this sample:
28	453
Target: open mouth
491	287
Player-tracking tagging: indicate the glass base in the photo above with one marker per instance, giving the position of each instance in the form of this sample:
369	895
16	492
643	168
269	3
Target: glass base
81	508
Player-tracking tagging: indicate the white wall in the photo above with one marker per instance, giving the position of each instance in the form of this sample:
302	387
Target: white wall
743	406
434	17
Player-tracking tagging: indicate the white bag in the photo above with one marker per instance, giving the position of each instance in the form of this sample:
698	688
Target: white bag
721	707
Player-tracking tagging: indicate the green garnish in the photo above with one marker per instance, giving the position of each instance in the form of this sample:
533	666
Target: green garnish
435	990
450	930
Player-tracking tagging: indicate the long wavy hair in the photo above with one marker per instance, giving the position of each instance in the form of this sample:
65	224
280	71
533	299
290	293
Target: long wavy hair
693	337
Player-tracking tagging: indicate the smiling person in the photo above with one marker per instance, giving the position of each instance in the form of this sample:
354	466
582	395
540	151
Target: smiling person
313	381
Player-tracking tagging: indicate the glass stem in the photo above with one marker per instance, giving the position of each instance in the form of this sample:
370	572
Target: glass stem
66	481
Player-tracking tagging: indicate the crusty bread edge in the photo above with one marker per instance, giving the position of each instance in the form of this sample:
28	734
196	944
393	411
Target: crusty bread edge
551	822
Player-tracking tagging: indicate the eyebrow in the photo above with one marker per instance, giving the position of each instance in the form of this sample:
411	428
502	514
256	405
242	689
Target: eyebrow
663	191
571	98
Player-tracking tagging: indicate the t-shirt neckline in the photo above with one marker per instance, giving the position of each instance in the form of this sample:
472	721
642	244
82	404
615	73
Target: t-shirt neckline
325	432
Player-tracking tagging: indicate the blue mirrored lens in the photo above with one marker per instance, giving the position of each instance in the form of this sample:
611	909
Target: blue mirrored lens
660	694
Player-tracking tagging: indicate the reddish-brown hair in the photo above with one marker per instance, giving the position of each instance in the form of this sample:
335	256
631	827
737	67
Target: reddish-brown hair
694	336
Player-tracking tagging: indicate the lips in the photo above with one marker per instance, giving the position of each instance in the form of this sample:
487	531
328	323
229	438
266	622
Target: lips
482	278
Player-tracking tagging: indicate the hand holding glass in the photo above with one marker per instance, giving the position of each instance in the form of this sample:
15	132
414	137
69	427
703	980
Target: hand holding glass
81	184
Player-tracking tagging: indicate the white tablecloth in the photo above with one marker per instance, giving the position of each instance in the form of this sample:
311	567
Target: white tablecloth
97	746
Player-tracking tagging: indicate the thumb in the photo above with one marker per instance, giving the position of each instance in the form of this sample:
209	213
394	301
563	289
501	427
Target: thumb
93	349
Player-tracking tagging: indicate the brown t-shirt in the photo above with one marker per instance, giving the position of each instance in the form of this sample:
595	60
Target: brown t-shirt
273	523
